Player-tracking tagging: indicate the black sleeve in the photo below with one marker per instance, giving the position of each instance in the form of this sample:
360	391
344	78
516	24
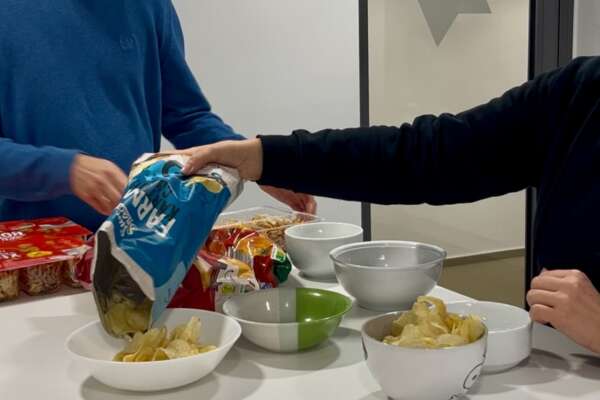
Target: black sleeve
490	150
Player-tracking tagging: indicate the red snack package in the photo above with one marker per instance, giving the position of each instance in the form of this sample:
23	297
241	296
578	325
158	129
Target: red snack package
196	292
211	281
56	226
270	263
37	252
83	269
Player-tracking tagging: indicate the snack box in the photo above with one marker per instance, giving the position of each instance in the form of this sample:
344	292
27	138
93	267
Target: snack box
57	226
271	221
37	256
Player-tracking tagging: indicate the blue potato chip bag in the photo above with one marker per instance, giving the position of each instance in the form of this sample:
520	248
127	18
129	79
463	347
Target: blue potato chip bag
146	246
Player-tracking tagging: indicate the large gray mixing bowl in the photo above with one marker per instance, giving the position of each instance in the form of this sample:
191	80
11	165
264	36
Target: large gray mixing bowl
388	275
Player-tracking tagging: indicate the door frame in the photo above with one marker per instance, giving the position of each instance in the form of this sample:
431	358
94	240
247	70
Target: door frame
363	51
550	47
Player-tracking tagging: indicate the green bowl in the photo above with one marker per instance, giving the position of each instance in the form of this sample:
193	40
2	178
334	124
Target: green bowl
288	319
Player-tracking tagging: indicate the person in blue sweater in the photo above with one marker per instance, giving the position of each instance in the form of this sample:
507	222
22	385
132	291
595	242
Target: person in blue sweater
543	134
86	87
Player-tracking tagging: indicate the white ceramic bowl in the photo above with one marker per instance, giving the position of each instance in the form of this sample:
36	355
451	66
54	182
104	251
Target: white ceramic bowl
288	319
308	245
388	275
420	374
509	332
92	349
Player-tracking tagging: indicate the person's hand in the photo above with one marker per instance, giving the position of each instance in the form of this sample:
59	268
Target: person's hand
243	155
97	182
296	201
246	156
568	300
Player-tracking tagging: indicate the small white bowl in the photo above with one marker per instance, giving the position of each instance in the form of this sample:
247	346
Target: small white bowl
92	349
388	275
420	374
308	245
509	332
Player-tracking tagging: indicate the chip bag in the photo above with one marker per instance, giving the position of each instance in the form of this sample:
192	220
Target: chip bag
146	246
233	261
212	280
270	262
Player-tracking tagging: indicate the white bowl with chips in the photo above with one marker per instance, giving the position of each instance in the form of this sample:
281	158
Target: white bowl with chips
420	374
509	332
92	350
388	275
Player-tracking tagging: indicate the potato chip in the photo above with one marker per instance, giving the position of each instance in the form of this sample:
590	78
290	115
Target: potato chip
125	318
158	345
405	319
160	355
144	354
429	325
205	349
448	340
179	348
189	332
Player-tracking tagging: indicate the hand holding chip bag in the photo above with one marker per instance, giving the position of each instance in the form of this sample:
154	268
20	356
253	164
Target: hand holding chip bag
146	246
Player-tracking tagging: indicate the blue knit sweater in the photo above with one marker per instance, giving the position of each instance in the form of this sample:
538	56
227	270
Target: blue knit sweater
105	78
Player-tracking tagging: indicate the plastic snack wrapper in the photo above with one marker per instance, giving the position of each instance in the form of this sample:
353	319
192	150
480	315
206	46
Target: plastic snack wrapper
83	269
270	263
70	271
233	261
146	246
212	280
269	221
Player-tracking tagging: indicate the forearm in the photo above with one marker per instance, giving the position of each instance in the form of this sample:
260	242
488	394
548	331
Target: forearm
29	173
431	161
350	164
490	150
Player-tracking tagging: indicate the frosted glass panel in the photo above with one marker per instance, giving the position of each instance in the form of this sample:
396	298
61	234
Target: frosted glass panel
586	35
434	56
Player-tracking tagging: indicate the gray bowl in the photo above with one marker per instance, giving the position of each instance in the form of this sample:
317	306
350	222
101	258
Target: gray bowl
388	275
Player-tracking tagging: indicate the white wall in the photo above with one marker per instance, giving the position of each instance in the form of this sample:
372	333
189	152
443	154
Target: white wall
587	28
271	66
481	56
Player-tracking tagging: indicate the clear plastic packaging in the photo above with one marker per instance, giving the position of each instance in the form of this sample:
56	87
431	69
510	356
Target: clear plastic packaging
41	279
70	273
270	221
9	285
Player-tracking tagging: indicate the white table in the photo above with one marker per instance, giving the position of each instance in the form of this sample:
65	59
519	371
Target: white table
34	365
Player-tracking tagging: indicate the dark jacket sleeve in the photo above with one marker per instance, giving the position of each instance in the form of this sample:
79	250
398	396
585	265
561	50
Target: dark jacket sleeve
490	150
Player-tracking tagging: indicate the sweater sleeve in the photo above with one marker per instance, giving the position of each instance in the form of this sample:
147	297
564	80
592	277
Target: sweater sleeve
187	118
29	173
490	150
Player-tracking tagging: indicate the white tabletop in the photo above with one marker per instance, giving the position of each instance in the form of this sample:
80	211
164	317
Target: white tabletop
34	365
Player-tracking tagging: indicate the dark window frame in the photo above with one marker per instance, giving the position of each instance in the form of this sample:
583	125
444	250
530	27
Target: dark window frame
550	47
